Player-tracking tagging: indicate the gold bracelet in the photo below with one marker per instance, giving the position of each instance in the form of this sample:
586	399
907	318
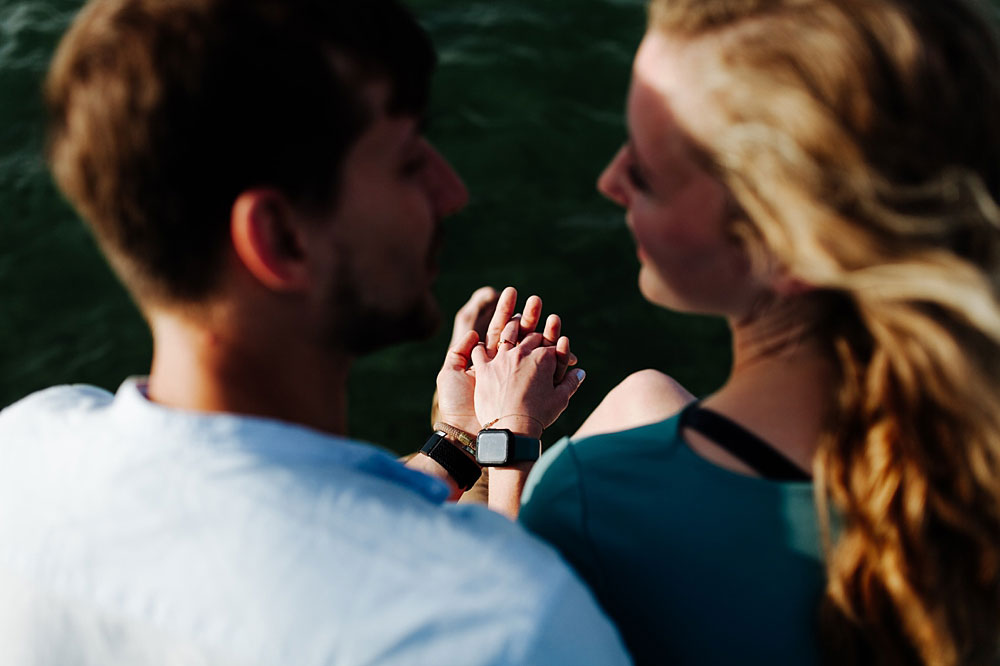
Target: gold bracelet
507	416
465	440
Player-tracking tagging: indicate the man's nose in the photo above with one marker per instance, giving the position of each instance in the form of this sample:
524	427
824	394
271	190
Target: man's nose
609	183
446	187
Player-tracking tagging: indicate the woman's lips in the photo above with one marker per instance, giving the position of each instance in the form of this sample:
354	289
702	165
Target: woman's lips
641	254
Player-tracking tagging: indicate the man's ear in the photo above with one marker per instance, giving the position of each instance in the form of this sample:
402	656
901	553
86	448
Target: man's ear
268	241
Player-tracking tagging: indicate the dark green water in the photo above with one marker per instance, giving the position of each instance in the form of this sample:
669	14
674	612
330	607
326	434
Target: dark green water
528	107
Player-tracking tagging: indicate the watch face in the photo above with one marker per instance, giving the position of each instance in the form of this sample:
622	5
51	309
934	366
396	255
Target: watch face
491	448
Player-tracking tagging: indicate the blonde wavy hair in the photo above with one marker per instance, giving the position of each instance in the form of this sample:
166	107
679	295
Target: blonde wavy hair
861	140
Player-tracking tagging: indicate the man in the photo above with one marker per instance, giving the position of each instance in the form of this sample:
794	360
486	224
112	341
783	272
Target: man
253	171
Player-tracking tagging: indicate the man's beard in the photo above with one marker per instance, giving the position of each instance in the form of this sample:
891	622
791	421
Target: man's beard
360	329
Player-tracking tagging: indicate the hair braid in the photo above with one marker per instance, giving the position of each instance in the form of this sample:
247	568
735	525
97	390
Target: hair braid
911	467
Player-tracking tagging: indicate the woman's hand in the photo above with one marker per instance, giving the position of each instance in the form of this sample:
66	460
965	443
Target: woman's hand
523	387
532	382
528	321
457	378
515	387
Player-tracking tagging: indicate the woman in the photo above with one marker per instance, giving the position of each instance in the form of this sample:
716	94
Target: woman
824	174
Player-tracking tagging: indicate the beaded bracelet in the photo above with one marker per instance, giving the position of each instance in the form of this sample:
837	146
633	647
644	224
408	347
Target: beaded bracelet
465	440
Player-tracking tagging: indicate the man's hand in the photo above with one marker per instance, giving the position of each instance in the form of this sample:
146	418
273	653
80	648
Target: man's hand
456	386
475	315
456	381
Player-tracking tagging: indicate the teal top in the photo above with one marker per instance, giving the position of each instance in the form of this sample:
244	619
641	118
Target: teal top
696	564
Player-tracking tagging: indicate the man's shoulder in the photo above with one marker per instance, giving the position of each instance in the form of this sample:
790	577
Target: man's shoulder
59	398
463	580
356	555
378	522
405	579
53	405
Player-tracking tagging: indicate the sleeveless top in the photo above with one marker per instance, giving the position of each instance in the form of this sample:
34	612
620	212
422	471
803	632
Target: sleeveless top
697	564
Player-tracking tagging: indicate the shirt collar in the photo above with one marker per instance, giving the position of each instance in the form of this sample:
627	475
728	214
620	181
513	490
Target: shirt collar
132	401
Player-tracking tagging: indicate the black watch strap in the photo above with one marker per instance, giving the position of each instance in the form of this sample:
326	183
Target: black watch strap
515	448
526	449
460	467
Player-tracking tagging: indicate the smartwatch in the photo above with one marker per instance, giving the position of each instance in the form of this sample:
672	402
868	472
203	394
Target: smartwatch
498	447
460	466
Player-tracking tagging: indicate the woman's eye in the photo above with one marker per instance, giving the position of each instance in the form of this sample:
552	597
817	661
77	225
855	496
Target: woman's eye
635	177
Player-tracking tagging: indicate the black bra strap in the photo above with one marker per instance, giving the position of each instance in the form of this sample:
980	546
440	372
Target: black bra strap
737	440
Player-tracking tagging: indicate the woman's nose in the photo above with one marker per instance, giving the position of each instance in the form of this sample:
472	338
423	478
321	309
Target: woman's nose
610	182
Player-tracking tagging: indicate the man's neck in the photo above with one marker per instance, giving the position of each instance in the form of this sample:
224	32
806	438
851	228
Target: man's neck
204	368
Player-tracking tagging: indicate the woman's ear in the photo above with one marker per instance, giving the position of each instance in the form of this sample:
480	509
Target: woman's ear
268	240
785	284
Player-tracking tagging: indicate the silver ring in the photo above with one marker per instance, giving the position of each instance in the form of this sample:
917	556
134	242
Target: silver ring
512	344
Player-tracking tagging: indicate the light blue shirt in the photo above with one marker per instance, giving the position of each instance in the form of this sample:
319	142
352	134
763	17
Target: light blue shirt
135	534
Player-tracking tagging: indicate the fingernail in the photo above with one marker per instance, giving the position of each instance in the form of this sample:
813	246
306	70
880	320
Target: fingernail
580	374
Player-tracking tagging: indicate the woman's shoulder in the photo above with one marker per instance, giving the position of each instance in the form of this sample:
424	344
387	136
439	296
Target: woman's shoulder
601	459
648	438
643	398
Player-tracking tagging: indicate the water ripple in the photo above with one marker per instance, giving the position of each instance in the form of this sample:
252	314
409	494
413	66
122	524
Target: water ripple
27	32
484	15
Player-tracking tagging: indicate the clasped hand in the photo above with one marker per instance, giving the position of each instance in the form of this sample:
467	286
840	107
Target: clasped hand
515	377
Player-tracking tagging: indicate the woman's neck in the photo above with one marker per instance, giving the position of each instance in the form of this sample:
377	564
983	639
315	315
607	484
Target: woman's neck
781	386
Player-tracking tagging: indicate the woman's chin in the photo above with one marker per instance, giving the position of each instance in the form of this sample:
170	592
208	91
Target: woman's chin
654	291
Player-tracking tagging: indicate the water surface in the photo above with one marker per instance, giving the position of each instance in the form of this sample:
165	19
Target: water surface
527	105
